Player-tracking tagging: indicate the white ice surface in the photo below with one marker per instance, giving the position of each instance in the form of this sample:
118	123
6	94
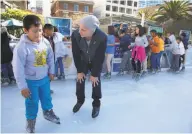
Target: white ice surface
159	103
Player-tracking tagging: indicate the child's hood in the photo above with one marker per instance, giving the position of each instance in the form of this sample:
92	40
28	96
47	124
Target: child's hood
24	38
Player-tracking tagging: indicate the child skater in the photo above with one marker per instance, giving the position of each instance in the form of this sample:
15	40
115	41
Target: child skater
33	66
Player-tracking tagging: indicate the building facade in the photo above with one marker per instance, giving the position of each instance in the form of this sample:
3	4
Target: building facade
115	7
21	4
68	8
148	3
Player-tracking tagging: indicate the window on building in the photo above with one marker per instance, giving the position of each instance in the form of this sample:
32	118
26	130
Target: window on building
135	4
129	11
107	15
122	2
76	7
129	2
109	1
114	15
86	8
115	9
65	6
108	8
122	10
115	1
134	11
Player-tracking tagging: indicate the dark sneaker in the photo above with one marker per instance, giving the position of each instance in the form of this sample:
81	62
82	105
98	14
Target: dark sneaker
50	116
95	112
30	127
77	107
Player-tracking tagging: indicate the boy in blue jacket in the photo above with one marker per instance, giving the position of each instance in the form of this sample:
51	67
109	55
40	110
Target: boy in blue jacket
33	66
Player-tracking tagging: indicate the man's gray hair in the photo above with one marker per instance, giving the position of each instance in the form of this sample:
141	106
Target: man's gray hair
91	22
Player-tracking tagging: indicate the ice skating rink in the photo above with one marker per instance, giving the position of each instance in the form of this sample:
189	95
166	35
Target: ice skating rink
157	103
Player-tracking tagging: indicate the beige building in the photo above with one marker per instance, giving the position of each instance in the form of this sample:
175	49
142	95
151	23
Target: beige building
22	4
67	8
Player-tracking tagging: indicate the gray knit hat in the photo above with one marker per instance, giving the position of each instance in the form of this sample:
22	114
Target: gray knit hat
90	22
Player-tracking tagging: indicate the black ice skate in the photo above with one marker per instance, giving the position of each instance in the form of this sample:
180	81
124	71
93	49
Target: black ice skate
77	107
50	116
95	112
30	126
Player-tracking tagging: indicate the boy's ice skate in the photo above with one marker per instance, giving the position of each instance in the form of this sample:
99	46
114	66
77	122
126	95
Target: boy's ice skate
50	116
30	126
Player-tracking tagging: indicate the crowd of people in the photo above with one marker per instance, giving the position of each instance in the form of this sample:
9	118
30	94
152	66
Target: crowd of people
40	51
142	53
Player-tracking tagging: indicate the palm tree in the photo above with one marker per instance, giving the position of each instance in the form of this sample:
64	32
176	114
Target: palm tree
147	12
173	10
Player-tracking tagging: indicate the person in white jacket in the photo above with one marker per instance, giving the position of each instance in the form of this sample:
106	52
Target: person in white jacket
182	51
56	40
172	40
177	50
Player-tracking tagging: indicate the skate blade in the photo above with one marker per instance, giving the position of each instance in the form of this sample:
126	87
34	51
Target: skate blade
56	122
94	117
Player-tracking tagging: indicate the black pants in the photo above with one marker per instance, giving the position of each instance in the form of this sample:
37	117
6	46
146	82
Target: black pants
136	66
96	91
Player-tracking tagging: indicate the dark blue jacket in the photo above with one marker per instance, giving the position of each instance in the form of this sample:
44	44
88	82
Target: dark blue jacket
125	41
185	42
